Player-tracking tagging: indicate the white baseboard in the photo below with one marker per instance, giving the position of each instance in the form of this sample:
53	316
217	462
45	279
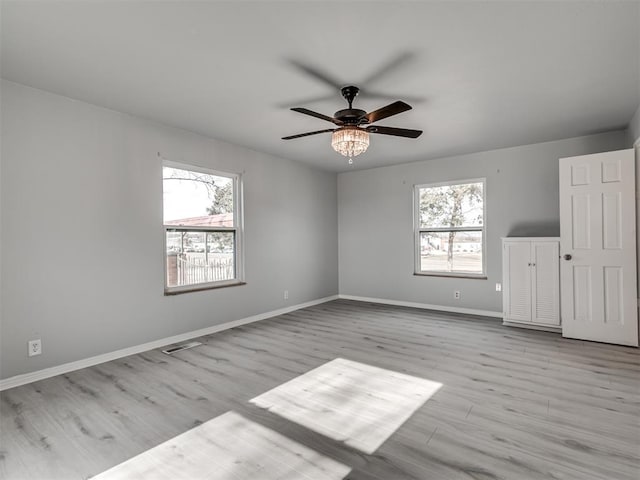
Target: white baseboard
426	306
23	379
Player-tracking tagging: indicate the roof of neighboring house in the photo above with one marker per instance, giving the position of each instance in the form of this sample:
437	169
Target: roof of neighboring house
220	220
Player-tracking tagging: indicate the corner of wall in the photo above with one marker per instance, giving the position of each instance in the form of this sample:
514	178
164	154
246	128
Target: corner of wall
633	130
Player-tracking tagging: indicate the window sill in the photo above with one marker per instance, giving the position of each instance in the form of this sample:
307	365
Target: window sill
472	276
196	288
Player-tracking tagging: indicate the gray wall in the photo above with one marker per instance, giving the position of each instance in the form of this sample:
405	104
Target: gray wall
82	238
634	127
375	218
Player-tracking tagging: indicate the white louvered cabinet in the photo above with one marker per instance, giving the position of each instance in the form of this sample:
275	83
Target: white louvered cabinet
531	282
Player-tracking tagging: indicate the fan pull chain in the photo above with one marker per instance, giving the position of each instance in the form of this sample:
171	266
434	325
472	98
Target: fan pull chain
350	161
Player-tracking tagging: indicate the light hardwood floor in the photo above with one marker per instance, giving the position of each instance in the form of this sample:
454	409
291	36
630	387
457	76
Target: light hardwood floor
514	404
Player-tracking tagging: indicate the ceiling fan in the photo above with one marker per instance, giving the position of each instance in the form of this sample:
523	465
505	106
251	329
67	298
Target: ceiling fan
351	138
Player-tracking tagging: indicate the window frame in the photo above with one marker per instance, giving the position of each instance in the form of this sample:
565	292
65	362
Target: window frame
237	229
418	230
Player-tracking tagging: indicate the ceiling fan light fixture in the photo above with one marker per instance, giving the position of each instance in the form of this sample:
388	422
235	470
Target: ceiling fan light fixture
350	141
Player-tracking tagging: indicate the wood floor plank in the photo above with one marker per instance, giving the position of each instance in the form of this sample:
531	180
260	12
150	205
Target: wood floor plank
514	404
229	447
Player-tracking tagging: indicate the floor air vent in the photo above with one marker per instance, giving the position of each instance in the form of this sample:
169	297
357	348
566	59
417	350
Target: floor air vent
179	348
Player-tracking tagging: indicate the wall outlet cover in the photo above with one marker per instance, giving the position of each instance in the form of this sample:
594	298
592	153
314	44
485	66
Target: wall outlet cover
35	347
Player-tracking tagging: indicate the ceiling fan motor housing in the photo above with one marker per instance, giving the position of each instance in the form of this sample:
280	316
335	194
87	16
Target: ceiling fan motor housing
351	116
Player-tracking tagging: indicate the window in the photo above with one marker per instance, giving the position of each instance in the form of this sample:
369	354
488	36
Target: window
202	228
450	229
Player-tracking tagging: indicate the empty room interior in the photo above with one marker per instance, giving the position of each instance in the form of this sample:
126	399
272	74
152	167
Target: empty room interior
321	240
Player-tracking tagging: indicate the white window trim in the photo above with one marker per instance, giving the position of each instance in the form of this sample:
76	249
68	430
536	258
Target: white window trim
417	230
238	221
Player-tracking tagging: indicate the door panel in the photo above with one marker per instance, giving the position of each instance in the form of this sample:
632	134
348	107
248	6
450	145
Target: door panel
581	221
545	276
580	174
611	170
518	289
582	293
611	213
613	295
598	231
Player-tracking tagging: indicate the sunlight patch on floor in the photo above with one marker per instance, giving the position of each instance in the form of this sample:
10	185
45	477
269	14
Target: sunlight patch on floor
355	403
228	447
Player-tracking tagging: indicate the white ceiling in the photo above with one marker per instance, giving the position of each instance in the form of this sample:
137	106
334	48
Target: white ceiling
480	75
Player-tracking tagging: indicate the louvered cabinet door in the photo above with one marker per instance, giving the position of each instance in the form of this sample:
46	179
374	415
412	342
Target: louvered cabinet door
545	280
531	277
517	281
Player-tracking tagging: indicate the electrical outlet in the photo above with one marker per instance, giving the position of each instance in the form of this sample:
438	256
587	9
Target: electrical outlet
456	294
35	347
286	294
498	287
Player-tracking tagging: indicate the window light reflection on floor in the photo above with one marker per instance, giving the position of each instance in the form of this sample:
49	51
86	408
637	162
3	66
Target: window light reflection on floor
355	403
229	447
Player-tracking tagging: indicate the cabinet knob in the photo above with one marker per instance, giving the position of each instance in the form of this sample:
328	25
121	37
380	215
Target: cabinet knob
567	256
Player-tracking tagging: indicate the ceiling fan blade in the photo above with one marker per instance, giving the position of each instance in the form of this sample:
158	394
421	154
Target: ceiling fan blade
316	73
397	132
291	137
375	95
306	111
391	109
316	99
386	68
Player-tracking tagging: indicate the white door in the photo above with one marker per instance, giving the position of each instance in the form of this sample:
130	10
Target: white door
517	262
545	294
598	248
